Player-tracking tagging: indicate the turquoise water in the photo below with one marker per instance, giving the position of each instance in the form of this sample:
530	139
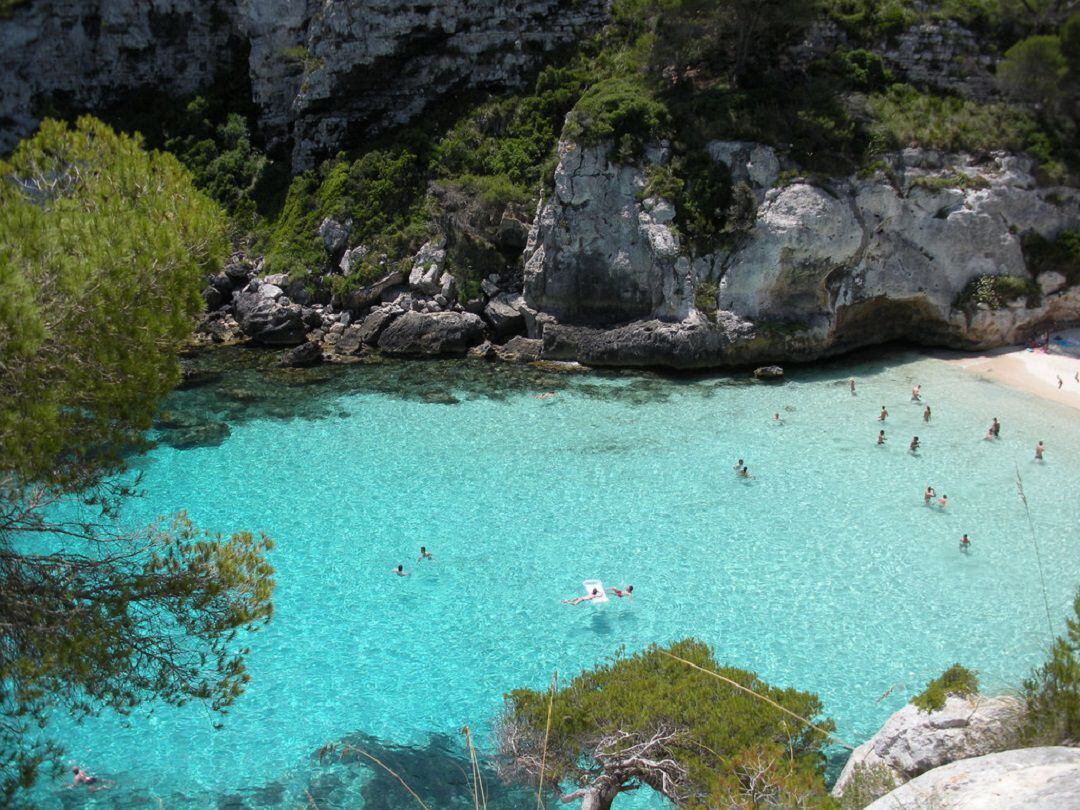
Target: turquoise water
825	571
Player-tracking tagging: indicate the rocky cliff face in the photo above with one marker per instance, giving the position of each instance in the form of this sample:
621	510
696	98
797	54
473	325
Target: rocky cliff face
323	73
827	266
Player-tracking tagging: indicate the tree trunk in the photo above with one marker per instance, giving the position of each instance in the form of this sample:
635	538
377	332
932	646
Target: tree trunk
599	797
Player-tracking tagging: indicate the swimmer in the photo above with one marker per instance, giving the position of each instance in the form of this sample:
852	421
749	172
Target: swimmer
579	599
883	415
965	543
424	554
1040	448
621	592
916	393
881	437
545	395
851	383
400	571
83	778
995	428
745	473
926	415
943	501
928	495
776	419
914	444
738	465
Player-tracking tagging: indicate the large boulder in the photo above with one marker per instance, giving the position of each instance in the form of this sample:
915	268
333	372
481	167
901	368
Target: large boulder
272	323
431	333
504	313
304	355
913	741
372	293
1029	778
374	324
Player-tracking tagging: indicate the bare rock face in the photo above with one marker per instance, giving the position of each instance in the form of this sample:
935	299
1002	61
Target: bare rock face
912	741
595	254
826	267
1031	778
323	73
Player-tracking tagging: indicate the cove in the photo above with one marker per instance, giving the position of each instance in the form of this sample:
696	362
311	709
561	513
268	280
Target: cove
825	571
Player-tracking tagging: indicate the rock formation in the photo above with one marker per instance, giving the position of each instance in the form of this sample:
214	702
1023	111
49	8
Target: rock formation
913	741
827	266
323	74
1031	778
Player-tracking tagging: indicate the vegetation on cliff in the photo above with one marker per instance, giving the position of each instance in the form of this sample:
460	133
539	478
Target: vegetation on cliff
103	247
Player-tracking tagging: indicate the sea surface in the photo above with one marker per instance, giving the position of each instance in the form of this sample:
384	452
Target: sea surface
825	571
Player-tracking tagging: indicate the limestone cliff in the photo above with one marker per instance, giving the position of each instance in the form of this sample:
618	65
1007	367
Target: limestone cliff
324	74
827	265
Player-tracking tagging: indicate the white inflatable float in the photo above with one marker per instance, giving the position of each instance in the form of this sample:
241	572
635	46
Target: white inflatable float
595	584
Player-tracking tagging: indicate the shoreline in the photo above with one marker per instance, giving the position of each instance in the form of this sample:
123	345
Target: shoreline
1034	372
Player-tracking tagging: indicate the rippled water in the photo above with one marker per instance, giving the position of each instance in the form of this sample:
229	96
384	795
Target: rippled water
825	571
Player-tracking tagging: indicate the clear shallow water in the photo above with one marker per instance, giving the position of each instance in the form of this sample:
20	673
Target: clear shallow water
824	572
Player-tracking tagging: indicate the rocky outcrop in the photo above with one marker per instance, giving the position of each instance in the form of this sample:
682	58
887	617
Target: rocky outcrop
323	73
825	267
1031	778
596	252
431	333
912	741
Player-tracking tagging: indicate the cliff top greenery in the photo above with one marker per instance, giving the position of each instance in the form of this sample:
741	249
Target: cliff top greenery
684	71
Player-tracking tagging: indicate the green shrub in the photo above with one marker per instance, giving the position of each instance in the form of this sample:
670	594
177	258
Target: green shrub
1032	69
1059	255
1052	693
863	70
867	784
953	180
903	117
706	298
997	291
956	680
622	111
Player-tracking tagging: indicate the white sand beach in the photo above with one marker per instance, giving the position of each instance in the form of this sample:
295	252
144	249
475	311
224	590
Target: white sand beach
1036	372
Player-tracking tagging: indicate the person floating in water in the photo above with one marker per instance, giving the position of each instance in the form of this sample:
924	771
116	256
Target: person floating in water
745	473
914	446
83	778
928	495
943	501
400	571
883	415
926	415
621	592
579	599
965	543
1040	448
424	554
851	384
916	394
738	465
881	437
776	419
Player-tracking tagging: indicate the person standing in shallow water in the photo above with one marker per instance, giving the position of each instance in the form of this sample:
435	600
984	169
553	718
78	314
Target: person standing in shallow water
1040	448
914	446
851	383
928	496
916	394
995	428
926	415
883	415
881	437
424	554
965	543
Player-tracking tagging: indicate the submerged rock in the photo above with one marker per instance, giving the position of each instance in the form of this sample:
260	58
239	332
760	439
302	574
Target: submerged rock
306	354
